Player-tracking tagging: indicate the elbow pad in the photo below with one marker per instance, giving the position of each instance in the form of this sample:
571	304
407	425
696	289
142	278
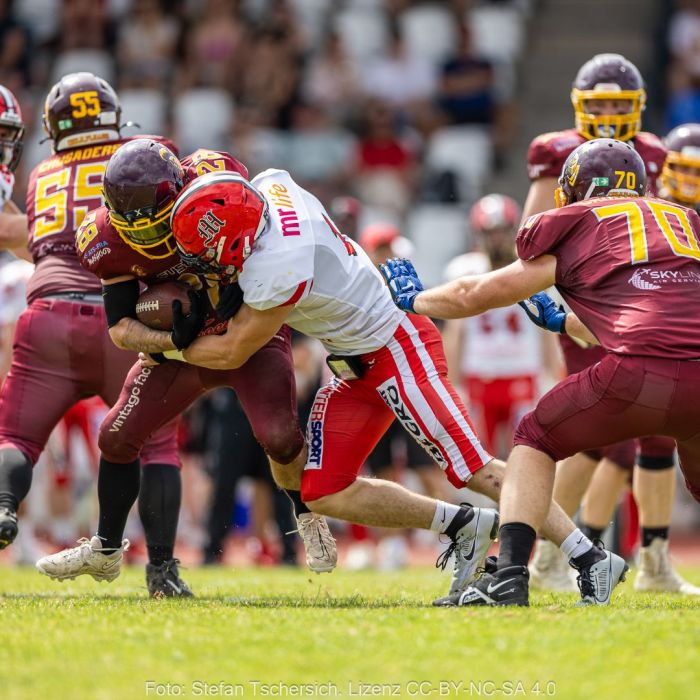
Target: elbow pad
120	300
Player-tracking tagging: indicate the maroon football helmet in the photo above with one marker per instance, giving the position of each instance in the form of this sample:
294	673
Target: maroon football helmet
601	168
680	175
10	118
81	109
141	183
608	76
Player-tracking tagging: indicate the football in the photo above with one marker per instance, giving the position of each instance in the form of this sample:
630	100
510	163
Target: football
154	306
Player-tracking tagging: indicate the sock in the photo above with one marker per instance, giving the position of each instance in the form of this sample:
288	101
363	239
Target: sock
117	490
159	508
15	477
445	514
650	533
593	533
516	543
298	506
576	544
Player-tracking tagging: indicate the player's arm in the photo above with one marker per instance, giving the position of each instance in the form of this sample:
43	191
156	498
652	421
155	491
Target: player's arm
472	294
574	327
120	295
453	342
13	229
247	332
540	196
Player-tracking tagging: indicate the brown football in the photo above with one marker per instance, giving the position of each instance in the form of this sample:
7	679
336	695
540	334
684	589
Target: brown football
154	306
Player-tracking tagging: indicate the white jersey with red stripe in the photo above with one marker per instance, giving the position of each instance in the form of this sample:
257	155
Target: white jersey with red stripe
500	343
7	185
302	260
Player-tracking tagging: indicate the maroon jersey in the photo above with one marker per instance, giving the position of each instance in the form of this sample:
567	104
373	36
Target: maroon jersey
629	268
547	153
62	190
103	253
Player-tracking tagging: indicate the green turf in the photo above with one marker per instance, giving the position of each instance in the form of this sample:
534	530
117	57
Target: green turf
82	639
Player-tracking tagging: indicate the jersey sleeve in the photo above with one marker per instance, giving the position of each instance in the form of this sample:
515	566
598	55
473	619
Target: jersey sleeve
203	161
98	245
548	153
542	233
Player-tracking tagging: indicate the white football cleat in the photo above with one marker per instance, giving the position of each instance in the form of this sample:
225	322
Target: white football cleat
597	581
319	543
86	558
549	569
470	547
656	572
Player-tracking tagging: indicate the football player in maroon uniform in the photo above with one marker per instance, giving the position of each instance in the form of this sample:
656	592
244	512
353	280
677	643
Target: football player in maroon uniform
629	267
128	242
680	175
608	97
62	350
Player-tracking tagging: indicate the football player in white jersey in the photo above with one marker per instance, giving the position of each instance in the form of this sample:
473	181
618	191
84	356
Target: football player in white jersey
496	357
295	267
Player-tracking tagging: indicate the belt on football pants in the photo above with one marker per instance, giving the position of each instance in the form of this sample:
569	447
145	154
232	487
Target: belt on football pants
79	297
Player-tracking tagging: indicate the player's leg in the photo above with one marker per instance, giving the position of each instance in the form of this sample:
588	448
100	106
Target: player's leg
150	398
266	389
42	384
654	491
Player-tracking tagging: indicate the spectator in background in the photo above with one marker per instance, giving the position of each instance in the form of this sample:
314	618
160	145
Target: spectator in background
146	45
346	212
466	86
405	81
684	69
215	47
14	50
332	79
385	165
84	24
272	77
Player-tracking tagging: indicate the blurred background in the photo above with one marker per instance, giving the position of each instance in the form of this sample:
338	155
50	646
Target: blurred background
394	112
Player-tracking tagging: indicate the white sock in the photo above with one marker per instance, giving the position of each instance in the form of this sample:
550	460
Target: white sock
444	514
576	544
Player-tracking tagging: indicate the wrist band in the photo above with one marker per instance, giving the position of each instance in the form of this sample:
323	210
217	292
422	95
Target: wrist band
175	355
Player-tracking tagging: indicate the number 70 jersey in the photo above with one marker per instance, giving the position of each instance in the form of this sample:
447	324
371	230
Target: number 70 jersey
629	268
302	260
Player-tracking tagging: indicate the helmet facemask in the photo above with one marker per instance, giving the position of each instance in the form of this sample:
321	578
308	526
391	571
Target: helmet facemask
622	127
149	233
680	177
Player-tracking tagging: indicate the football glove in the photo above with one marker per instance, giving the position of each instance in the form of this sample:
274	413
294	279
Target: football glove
230	300
186	327
403	282
543	311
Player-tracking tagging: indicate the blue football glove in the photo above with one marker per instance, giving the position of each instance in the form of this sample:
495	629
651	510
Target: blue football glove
403	282
542	310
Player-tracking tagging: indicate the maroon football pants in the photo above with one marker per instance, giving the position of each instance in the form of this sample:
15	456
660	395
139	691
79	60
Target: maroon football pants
153	396
617	399
647	449
62	353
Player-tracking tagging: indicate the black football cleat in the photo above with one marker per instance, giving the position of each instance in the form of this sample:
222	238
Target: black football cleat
490	566
163	581
8	527
507	586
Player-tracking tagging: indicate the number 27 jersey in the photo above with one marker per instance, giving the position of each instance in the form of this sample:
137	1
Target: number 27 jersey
302	260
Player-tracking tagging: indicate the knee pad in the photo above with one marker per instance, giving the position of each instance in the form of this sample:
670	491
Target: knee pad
282	446
115	448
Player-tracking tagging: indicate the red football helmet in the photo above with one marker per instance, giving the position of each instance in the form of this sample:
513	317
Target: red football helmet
81	109
608	76
215	221
601	168
11	119
680	175
494	211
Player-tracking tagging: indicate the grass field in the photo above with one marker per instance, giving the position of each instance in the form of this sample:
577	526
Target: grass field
252	627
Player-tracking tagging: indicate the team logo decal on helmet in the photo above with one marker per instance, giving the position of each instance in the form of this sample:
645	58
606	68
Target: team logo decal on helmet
216	220
608	76
601	168
141	183
11	120
680	176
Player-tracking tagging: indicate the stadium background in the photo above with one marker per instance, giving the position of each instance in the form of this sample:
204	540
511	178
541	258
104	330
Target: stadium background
415	108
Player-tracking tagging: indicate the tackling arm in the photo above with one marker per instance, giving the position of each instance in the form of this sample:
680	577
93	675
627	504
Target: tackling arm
247	332
127	332
574	327
474	294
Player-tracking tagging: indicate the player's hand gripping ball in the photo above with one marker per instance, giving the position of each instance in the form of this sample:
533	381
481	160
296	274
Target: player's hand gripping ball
154	307
403	282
